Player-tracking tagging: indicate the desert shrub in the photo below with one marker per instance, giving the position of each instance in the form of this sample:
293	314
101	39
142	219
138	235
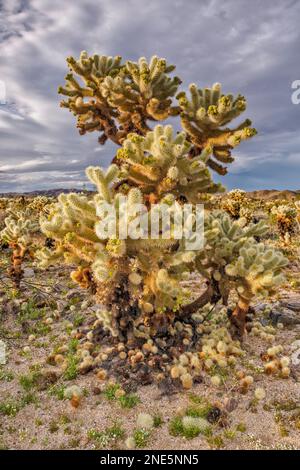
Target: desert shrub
285	216
237	204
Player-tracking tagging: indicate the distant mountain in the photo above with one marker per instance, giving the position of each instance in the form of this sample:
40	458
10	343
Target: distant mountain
43	192
267	194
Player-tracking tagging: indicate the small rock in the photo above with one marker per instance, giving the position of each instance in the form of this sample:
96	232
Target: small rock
73	293
198	379
265	321
261	306
61	305
295	357
168	386
291	305
284	316
96	390
230	404
28	272
214	415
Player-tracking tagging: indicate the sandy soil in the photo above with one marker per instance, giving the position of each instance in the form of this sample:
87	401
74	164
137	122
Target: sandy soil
43	421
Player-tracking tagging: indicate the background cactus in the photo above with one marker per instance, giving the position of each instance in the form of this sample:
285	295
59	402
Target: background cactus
18	234
21	229
285	216
237	204
297	204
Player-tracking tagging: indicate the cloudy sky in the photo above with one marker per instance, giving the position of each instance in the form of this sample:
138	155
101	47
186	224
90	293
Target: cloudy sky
250	47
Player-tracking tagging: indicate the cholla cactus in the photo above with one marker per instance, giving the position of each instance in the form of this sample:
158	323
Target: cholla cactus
237	204
203	117
297	204
39	205
18	234
105	263
21	226
31	207
286	219
138	279
234	260
4	202
17	204
158	163
118	98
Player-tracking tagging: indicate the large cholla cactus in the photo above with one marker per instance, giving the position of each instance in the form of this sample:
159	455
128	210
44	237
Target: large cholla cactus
18	234
138	279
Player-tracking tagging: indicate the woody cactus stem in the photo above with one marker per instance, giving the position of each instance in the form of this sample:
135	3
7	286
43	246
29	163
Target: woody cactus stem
239	315
16	271
123	311
210	295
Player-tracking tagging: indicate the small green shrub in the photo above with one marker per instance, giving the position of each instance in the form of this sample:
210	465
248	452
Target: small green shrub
6	375
71	370
57	391
110	391
129	401
141	437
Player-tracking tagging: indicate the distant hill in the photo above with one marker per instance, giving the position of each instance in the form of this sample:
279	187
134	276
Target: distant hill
269	194
43	192
266	194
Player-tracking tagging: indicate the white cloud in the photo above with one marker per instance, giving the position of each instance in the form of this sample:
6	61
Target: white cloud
212	40
28	165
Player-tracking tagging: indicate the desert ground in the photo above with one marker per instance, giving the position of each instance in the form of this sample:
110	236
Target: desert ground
43	325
